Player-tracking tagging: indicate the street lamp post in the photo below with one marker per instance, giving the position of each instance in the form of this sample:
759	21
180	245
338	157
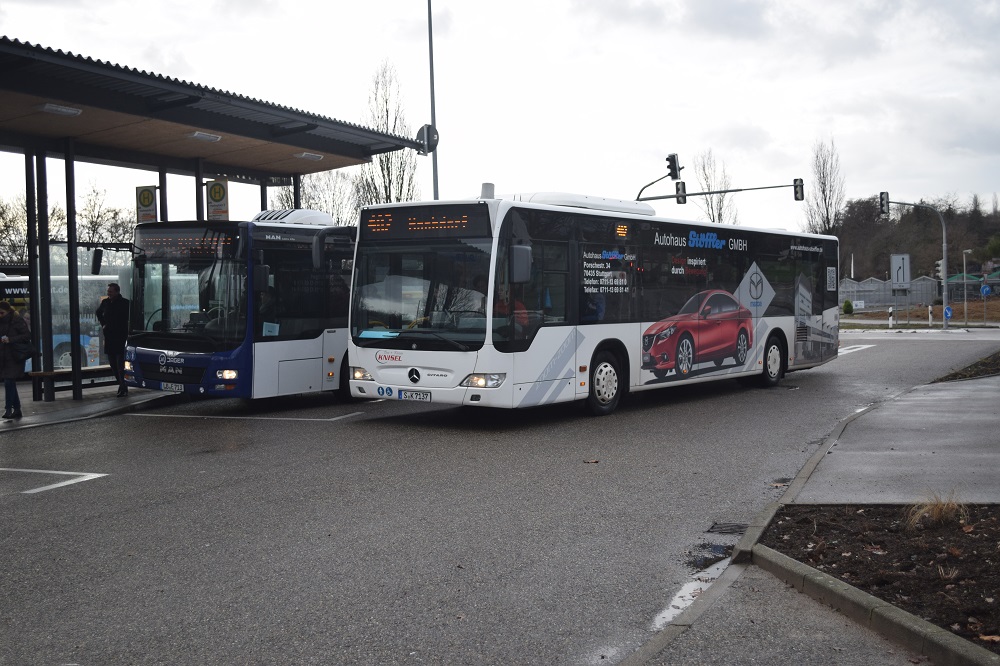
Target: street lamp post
965	287
430	49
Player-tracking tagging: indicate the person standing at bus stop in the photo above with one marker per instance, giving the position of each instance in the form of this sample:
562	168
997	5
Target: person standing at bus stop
113	315
13	329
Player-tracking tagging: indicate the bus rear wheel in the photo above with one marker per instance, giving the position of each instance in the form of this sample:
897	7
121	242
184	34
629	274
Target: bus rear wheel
64	357
605	384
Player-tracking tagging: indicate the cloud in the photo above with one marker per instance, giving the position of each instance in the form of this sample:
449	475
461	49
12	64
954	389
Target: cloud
648	14
744	20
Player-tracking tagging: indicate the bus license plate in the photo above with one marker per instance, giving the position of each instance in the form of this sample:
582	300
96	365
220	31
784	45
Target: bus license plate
423	396
176	388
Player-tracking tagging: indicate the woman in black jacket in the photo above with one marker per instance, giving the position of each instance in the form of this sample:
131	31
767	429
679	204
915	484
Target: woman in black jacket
13	329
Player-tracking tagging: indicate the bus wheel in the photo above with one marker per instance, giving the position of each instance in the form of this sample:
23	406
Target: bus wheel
684	360
344	389
773	353
64	357
605	384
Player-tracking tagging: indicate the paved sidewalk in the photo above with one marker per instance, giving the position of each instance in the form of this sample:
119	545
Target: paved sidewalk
97	401
938	438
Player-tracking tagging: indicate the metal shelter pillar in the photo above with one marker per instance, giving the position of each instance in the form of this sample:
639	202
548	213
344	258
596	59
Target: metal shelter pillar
163	195
32	241
73	271
199	191
44	276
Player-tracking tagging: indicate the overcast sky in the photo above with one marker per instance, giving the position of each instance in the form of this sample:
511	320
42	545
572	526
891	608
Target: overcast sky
589	96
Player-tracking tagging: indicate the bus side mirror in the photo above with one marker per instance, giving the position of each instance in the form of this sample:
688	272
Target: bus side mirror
261	277
520	263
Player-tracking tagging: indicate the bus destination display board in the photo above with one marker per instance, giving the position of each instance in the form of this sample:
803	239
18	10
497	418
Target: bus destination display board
423	222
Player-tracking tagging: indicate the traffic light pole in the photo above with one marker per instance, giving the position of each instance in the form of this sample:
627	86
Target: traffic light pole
695	194
944	255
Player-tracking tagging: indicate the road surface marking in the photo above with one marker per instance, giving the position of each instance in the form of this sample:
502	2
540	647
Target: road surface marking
244	418
80	476
852	348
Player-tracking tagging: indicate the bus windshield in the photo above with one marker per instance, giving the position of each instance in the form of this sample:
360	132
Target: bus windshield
429	292
190	284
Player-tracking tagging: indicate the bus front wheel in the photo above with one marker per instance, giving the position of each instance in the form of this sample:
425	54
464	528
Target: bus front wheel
605	384
773	354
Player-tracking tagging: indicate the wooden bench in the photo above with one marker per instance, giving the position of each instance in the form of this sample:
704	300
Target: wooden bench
92	373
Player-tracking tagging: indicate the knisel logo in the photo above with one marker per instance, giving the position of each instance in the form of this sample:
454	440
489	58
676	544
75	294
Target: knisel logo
387	357
414	375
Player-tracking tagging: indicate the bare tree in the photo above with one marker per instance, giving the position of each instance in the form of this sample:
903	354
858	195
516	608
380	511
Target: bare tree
96	222
328	191
712	177
826	200
389	177
14	229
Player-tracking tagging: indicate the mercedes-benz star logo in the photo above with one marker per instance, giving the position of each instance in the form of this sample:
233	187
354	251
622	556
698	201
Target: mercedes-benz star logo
414	375
756	286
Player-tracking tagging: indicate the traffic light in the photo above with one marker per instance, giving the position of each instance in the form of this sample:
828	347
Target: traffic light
937	268
799	189
673	170
883	203
428	136
681	192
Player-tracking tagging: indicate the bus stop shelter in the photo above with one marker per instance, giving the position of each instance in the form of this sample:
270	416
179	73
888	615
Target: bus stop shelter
67	106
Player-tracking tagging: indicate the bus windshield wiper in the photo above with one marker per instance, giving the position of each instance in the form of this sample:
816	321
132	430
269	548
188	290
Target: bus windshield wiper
454	343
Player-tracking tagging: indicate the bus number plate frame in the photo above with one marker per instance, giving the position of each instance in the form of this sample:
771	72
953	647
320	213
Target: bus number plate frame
419	396
175	388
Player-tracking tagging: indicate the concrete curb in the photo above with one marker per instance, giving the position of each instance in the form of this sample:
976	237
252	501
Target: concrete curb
940	645
96	410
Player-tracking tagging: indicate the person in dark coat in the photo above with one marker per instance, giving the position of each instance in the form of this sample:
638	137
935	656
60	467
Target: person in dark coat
13	329
113	315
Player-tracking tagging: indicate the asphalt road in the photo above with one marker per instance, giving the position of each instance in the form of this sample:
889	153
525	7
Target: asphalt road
308	530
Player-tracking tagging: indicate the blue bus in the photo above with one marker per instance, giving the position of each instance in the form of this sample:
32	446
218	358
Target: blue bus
249	309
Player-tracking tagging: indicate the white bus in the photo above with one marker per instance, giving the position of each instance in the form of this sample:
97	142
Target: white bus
250	309
90	289
547	298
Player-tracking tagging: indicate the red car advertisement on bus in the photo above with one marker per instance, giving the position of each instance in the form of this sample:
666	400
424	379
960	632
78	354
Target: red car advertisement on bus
711	326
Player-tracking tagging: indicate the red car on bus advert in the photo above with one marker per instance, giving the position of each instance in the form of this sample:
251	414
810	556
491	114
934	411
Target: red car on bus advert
711	326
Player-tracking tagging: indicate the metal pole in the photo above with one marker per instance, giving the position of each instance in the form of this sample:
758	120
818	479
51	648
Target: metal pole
944	267
430	48
965	292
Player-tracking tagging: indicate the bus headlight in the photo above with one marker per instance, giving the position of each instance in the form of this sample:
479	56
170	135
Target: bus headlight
484	380
128	366
361	375
226	374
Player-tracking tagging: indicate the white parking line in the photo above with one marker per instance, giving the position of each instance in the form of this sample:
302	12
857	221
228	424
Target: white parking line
80	476
852	348
688	593
244	418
